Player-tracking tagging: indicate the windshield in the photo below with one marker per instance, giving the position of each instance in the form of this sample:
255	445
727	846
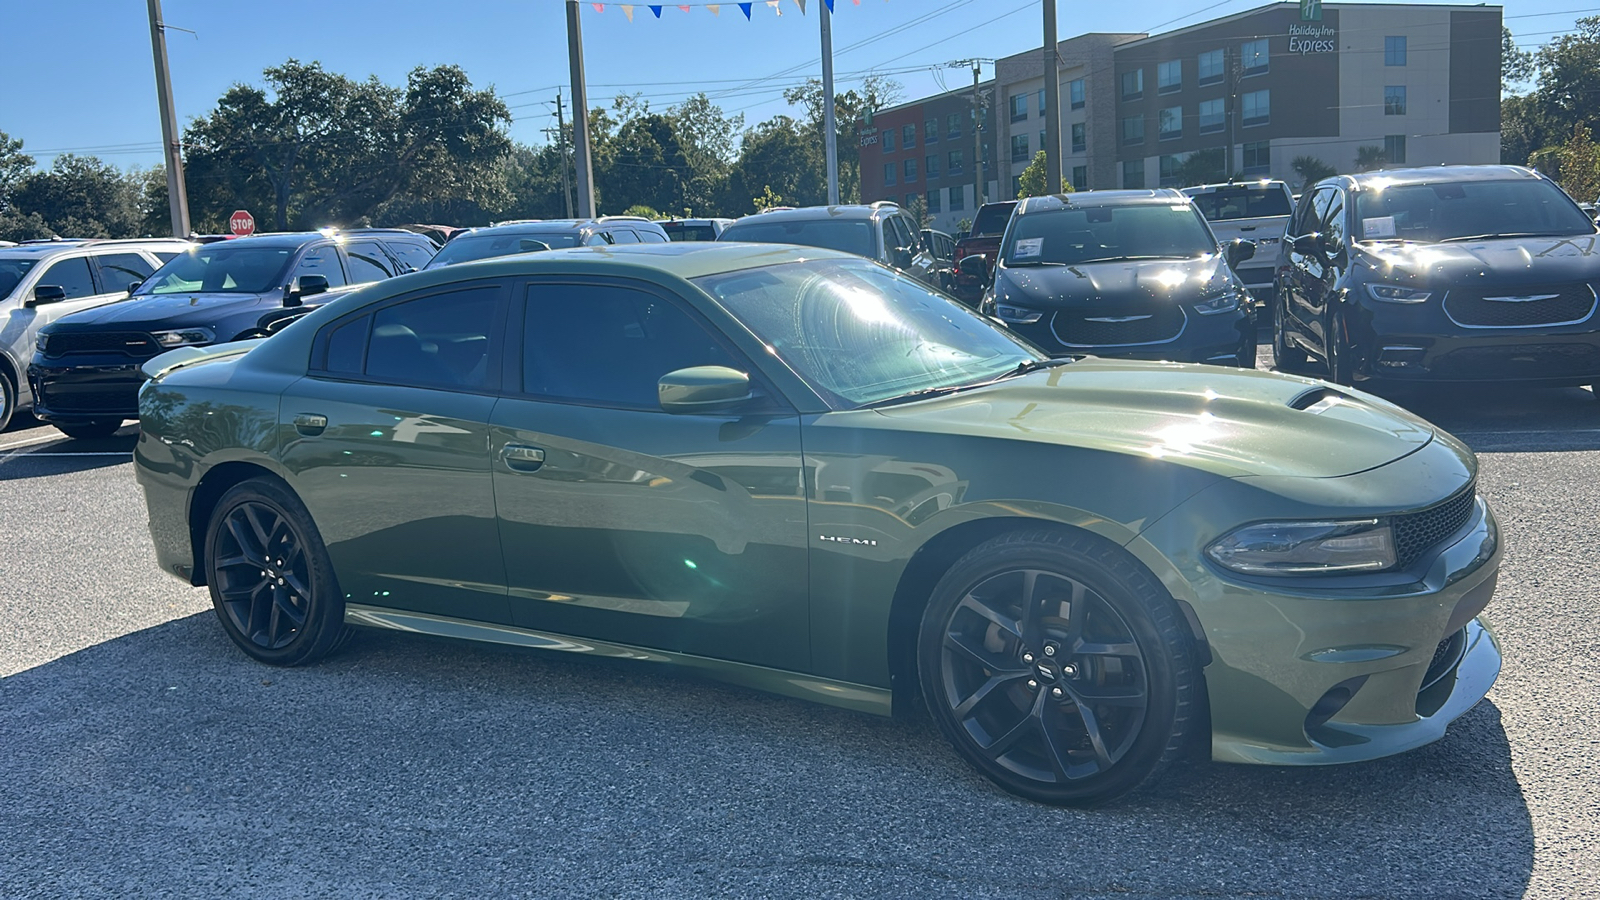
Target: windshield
992	219
858	332
845	235
1440	212
12	270
486	246
1242	203
223	268
1099	233
680	232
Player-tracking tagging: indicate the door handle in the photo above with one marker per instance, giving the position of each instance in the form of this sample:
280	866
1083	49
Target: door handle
522	458
310	424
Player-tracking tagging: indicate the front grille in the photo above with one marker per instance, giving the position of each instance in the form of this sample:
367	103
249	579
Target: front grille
93	401
1416	532
1520	360
1148	325
1559	304
131	343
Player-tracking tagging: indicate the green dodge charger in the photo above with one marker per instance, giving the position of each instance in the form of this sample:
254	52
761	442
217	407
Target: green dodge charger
797	470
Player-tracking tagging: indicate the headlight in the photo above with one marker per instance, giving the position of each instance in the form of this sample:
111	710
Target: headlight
183	337
1017	315
1394	293
1306	548
42	343
1227	301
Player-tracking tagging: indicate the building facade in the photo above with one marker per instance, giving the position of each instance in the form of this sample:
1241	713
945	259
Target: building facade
923	152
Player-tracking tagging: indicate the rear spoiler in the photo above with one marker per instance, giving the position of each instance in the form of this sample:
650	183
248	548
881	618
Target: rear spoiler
188	356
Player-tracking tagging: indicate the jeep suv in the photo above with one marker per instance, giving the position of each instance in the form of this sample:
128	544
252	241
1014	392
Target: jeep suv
85	371
41	281
1448	273
880	232
531	235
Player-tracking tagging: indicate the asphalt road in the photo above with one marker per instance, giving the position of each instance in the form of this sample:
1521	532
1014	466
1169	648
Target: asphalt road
140	754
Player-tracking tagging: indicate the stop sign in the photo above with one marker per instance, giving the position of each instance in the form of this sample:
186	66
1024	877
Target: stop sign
242	222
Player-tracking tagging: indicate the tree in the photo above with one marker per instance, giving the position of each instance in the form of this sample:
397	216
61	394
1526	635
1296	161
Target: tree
1580	165
1370	157
645	165
780	157
1204	167
1569	77
15	165
1032	182
1515	65
80	196
1311	170
876	93
709	141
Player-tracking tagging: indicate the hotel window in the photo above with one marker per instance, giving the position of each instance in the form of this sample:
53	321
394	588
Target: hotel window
1394	50
958	198
1257	157
1133	130
888	140
908	137
911	200
1171	123
1133	84
1256	108
933	201
1078	141
1080	178
1041	103
1394	99
1170	166
1210	69
1019	148
1019	107
1133	174
930	131
1394	148
889	171
931	165
953	125
1042	142
1169	77
953	163
1016	186
1212	116
1075	92
1253	57
909	170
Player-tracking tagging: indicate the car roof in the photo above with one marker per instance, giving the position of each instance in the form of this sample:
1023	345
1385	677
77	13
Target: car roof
52	248
281	239
1437	174
1153	197
711	221
1235	186
812	213
686	260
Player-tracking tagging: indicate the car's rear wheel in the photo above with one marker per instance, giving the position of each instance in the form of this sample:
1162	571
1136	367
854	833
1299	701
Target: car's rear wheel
8	400
271	580
84	431
1058	667
1340	365
1285	354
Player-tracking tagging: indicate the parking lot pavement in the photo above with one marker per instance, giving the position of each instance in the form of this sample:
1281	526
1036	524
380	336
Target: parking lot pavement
142	754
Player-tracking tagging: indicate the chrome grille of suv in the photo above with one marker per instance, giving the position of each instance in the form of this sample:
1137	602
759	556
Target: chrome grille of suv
1416	532
1139	325
1523	306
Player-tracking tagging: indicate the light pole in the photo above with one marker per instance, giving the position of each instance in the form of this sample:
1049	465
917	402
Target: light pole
177	193
580	113
829	130
1052	102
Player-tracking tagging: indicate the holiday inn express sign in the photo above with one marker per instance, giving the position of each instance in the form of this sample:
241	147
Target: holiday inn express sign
1312	38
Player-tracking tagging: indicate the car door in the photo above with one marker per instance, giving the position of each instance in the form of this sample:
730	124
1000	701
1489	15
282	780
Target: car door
387	439
119	272
1307	268
73	275
619	521
923	266
1335	258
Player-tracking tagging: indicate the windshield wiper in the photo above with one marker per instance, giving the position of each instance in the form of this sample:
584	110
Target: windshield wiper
1022	368
1122	259
1508	234
1031	262
1034	365
911	396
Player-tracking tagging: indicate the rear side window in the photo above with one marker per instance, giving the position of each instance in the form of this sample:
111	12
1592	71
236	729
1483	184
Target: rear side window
624	236
651	237
118	270
1247	203
322	261
413	255
367	262
72	275
347	347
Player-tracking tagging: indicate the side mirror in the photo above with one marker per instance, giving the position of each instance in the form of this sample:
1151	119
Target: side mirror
901	257
529	246
1238	250
974	266
47	293
703	389
1308	244
134	286
304	286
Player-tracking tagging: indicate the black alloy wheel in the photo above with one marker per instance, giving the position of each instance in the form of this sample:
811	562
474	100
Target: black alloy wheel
8	400
271	580
1058	667
1337	355
1285	355
88	431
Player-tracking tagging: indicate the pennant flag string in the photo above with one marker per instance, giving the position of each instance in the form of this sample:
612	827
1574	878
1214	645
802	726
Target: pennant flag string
715	9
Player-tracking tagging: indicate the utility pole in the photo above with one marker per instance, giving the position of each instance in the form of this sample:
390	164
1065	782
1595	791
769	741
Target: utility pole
580	113
561	147
177	194
829	128
977	130
1052	102
1230	66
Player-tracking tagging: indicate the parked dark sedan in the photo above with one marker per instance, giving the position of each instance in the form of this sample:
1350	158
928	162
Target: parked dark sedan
1458	273
1134	274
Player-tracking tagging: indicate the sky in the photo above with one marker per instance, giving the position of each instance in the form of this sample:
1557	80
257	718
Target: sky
78	74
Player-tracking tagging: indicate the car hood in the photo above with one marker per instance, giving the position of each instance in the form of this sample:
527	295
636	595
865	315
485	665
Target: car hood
1229	422
169	310
1502	261
1046	287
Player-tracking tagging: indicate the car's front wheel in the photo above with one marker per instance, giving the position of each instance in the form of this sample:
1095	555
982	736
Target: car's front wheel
1058	667
1285	353
85	431
271	580
8	400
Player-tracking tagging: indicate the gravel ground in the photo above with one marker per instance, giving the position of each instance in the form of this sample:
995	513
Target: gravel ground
142	755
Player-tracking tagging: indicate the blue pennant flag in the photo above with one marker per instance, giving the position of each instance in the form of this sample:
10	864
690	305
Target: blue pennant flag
656	10
830	4
745	8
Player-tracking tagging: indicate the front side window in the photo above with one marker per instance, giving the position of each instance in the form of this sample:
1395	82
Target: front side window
322	261
908	136
1075	92
71	275
1256	107
226	267
1171	120
1132	174
1394	99
1210	67
1211	116
1169	77
1019	107
1133	84
367	262
846	235
414	255
439	341
1019	148
623	236
608	345
859	333
1133	130
1450	210
1078	139
12	270
1253	57
1394	50
118	270
1086	234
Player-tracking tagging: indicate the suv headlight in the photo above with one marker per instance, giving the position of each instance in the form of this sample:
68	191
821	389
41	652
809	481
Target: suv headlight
1306	548
1394	293
1017	315
42	343
1227	301
183	337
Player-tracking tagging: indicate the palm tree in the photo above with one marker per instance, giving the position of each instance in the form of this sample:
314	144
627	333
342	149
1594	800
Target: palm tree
1370	157
1311	170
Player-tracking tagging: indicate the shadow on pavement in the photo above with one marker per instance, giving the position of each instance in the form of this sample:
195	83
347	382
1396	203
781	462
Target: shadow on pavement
164	761
53	453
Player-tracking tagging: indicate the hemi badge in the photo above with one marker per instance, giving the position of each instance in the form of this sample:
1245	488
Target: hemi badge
864	542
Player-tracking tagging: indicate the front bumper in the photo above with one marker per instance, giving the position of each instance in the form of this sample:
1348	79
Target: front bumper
1227	339
1419	343
85	389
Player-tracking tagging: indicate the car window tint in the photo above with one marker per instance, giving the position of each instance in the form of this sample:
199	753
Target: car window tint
347	346
413	255
166	256
624	236
72	275
651	237
322	261
891	239
597	239
437	341
1333	219
118	270
1319	210
609	345
367	262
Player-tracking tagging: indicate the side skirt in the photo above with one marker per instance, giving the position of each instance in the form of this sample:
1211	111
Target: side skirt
860	698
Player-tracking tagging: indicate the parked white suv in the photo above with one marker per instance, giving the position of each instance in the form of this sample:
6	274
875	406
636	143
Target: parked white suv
1256	211
41	281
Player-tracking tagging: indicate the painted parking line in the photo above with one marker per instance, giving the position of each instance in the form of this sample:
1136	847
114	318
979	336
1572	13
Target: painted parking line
6	456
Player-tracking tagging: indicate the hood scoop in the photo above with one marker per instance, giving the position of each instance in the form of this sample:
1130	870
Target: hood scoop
1319	400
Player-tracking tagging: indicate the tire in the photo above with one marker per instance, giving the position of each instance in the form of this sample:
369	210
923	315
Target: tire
1063	706
1246	357
271	581
86	431
1284	354
1338	357
8	401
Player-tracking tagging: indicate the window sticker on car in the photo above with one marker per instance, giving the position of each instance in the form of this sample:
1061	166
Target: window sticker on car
1380	227
1027	248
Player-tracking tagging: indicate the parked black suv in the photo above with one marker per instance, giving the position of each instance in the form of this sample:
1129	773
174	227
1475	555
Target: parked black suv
880	231
532	235
1134	274
85	370
1451	273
